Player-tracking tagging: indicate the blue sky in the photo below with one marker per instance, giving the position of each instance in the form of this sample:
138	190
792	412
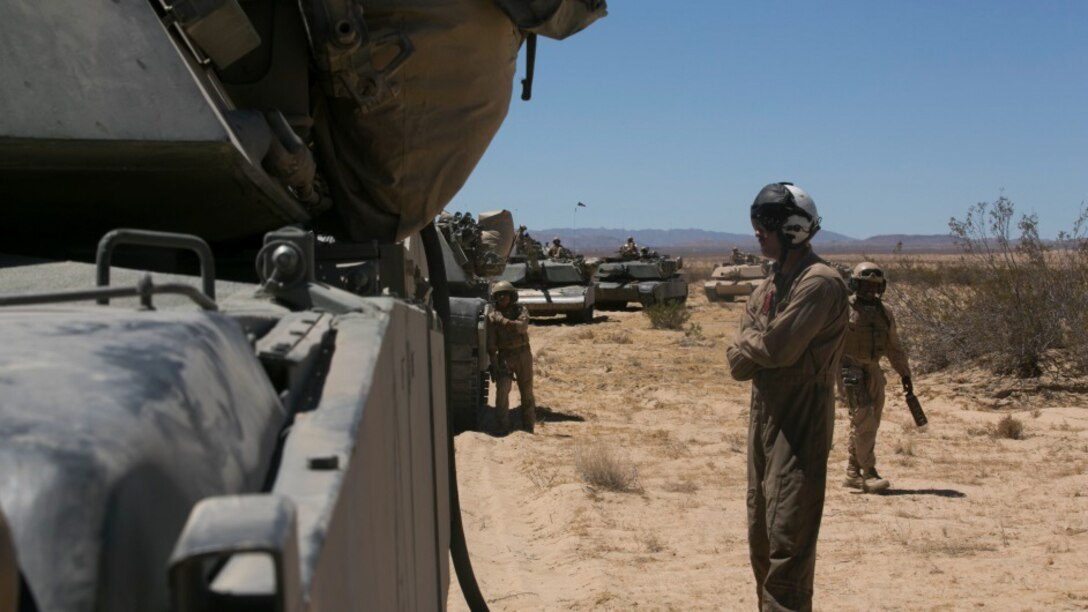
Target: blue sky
894	116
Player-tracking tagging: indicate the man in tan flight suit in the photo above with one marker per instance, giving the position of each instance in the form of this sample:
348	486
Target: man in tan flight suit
788	344
511	357
870	335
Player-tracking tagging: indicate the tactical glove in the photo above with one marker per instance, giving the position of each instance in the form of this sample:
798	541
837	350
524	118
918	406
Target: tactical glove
908	386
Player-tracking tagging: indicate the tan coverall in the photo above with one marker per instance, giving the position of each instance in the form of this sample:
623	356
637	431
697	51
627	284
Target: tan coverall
788	344
869	336
508	345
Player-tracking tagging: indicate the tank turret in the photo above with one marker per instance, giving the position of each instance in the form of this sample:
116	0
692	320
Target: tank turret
649	279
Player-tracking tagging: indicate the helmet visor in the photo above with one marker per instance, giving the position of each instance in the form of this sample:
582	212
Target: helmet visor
768	219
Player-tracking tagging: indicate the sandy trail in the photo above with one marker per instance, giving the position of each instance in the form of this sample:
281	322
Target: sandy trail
972	521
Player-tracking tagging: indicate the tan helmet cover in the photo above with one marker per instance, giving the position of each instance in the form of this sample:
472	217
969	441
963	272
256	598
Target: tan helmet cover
868	272
504	287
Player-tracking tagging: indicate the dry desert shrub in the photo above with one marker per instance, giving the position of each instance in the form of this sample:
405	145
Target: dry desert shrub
668	315
905	446
542	475
1010	428
681	486
1009	301
736	441
693	336
584	334
617	337
652	543
602	467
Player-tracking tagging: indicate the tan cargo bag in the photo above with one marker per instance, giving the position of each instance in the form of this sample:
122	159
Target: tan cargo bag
393	167
497	232
401	122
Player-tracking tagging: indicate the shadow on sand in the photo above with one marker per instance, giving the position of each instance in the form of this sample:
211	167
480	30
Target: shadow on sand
488	423
565	322
949	493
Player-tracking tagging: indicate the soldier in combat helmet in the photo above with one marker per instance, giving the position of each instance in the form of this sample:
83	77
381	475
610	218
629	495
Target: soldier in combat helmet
558	251
870	335
511	357
629	249
788	344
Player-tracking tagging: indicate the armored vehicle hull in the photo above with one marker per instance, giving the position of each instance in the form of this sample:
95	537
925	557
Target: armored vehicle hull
556	288
729	282
646	282
273	435
574	301
118	423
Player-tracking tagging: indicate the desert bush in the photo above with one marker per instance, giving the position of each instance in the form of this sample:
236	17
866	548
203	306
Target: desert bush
905	446
693	336
667	315
681	486
1010	428
618	337
1009	300
600	466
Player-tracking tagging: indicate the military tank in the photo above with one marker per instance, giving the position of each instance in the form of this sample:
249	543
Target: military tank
551	287
649	279
225	323
475	252
730	281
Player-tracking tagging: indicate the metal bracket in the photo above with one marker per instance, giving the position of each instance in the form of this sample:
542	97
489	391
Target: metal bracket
164	240
143	290
295	355
286	260
222	527
343	52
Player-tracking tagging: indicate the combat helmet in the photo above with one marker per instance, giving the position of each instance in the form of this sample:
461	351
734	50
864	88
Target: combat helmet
787	210
504	287
868	272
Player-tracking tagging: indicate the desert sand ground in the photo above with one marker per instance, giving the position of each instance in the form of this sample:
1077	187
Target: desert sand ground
973	520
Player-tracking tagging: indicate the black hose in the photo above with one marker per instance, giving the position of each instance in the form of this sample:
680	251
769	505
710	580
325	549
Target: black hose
530	67
458	548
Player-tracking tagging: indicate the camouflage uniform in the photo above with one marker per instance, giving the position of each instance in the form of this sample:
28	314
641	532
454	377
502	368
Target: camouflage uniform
530	248
558	251
508	345
629	249
788	344
870	335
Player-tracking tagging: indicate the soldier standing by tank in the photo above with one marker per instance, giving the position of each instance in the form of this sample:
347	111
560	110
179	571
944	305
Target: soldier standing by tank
511	357
629	250
788	344
870	335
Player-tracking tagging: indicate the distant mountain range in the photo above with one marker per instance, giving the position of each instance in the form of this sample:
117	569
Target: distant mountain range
600	240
